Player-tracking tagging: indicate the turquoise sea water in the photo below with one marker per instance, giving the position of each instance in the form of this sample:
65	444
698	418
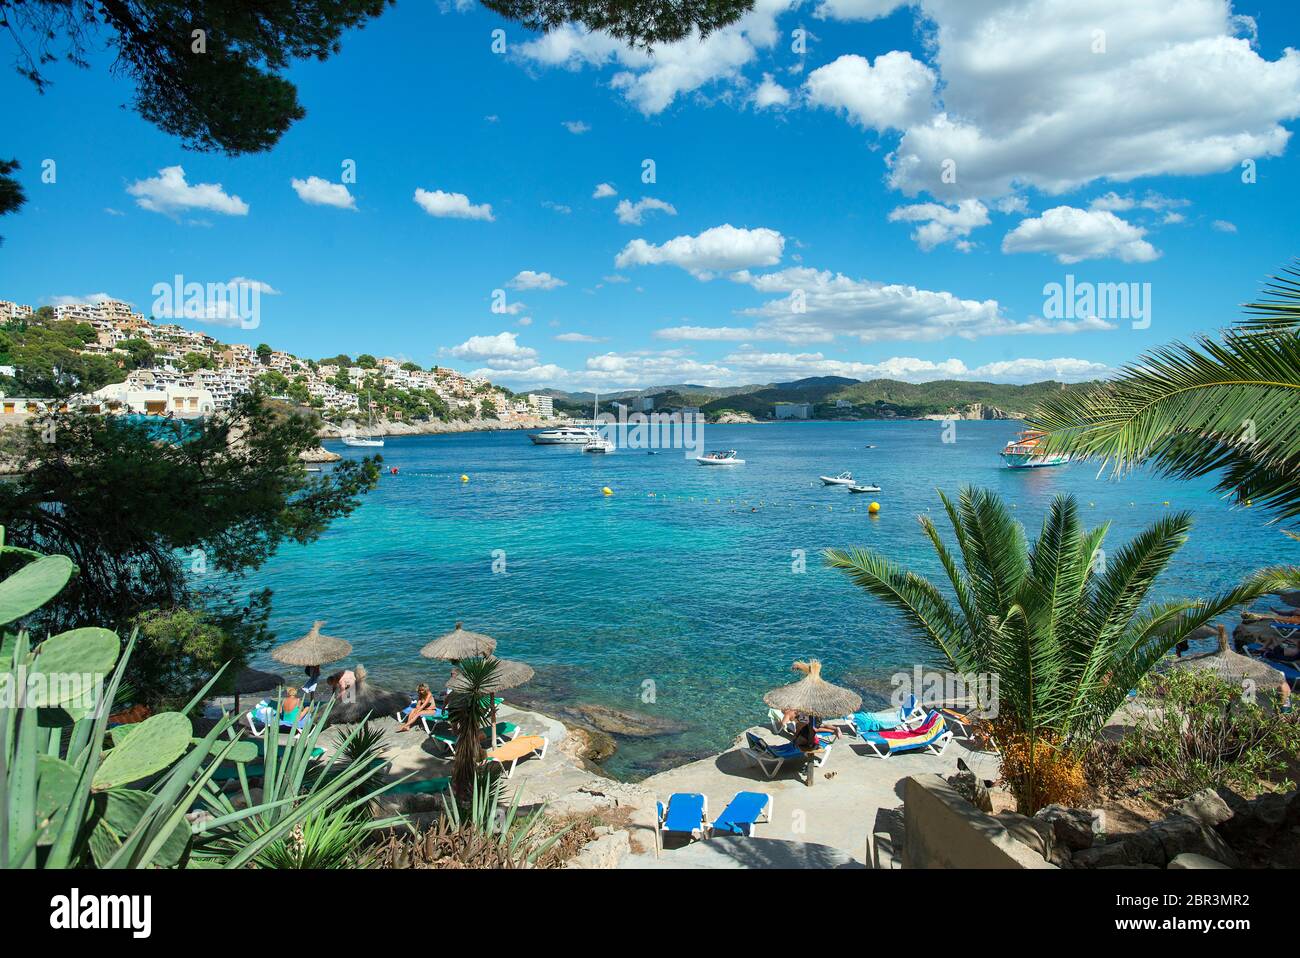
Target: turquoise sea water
684	576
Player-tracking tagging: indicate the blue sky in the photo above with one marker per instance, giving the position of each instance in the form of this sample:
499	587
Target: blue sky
890	200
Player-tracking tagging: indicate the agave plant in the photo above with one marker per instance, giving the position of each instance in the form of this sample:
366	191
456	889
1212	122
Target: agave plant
1062	625
326	805
75	793
1227	407
484	834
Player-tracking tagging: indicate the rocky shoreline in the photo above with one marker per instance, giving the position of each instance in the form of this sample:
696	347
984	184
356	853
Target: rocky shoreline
431	427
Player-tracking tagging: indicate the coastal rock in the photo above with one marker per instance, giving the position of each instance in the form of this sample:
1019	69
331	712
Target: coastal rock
1192	860
1291	598
319	454
589	744
431	427
1179	834
605	852
733	418
1205	806
631	724
1074	828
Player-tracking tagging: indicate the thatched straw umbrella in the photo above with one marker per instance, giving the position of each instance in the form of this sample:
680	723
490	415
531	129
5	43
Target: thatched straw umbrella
312	649
459	644
815	696
509	675
365	698
1233	667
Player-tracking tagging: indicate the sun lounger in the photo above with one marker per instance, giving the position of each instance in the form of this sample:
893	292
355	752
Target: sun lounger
505	732
772	758
511	752
422	786
1285	630
427	720
295	723
742	813
685	814
933	736
963	721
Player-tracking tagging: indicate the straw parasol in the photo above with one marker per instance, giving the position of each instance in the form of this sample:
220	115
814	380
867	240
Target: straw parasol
312	649
458	644
509	675
813	695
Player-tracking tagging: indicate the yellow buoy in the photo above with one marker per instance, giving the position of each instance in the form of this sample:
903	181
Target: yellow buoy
607	491
464	478
873	508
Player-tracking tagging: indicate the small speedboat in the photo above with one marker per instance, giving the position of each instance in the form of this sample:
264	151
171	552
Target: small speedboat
721	457
843	479
856	488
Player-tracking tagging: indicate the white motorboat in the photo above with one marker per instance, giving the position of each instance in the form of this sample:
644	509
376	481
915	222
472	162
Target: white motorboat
857	488
564	436
843	479
721	457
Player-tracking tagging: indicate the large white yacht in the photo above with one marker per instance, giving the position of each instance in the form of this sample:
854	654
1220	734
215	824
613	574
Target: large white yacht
564	436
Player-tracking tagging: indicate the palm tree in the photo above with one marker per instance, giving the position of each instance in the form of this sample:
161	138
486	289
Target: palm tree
1228	406
1062	627
470	711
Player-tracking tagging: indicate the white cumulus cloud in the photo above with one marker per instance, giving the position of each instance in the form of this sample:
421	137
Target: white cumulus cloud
943	224
894	93
630	214
170	193
320	192
718	249
528	279
1071	235
455	205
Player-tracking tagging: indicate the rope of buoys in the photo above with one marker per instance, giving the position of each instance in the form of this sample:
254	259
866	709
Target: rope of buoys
607	491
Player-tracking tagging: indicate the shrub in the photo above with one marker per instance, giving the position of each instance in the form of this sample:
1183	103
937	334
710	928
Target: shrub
1206	733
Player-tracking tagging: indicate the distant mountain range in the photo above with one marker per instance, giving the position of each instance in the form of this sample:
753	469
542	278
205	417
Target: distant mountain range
865	399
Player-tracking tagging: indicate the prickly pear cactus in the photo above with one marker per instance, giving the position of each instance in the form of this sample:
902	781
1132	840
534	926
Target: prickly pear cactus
151	746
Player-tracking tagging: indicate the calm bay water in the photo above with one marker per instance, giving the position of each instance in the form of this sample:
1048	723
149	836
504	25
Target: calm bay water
684	576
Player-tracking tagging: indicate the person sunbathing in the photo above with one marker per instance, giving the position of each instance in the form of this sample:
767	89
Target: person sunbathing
290	703
424	705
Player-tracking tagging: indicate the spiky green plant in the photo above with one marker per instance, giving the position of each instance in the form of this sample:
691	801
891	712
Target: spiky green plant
74	793
1063	626
1227	407
469	711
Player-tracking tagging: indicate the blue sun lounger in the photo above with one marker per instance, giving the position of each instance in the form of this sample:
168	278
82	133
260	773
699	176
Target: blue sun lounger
686	813
742	813
772	758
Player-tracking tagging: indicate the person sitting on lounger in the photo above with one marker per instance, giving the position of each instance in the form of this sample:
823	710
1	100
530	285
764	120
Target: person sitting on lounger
290	703
809	730
424	705
1279	648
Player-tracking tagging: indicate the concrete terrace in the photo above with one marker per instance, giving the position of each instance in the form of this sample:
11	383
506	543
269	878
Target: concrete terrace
827	825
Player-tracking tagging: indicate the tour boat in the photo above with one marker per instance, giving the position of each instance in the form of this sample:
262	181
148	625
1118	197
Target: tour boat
721	457
843	479
1023	452
857	488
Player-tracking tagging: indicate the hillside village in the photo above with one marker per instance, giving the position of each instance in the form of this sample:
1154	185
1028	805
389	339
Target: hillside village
176	371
